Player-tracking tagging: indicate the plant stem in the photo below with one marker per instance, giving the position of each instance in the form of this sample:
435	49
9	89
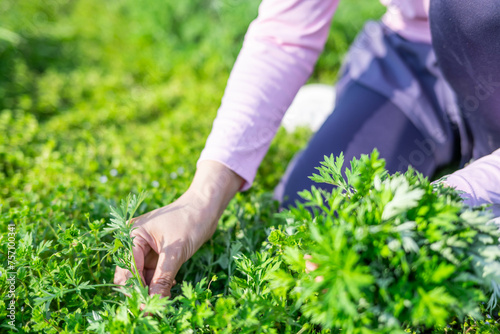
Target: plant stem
91	272
136	271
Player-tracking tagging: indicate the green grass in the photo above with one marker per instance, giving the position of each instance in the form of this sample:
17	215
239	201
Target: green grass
87	87
102	98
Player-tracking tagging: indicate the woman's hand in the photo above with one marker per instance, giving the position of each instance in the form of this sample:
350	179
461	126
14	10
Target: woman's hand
167	237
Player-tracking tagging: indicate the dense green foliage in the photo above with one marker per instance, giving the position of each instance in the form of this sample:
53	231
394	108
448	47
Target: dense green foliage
100	99
390	251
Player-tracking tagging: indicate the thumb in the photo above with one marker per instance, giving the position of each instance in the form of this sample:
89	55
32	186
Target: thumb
164	277
139	251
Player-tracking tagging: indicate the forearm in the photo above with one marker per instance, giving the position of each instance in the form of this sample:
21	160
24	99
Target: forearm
480	181
278	55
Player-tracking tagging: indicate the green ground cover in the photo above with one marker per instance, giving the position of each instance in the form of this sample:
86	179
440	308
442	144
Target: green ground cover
101	99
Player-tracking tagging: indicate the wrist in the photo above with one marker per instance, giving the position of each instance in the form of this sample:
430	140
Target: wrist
213	186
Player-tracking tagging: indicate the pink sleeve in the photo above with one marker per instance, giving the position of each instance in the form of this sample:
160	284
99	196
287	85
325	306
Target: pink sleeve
278	55
480	181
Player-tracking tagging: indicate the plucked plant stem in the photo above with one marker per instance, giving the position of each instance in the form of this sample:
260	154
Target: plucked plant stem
121	225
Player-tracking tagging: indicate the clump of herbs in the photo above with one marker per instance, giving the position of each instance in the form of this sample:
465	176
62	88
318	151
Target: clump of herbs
392	251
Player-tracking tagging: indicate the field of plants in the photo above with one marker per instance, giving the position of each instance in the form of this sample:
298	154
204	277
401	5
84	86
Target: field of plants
102	99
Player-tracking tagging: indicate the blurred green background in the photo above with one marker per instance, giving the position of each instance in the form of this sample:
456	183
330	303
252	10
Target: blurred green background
100	98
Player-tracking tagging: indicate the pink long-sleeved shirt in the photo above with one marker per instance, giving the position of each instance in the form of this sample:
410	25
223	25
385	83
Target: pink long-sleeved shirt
280	50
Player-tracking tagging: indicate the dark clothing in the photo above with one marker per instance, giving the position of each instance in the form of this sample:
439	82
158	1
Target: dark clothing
466	39
392	97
